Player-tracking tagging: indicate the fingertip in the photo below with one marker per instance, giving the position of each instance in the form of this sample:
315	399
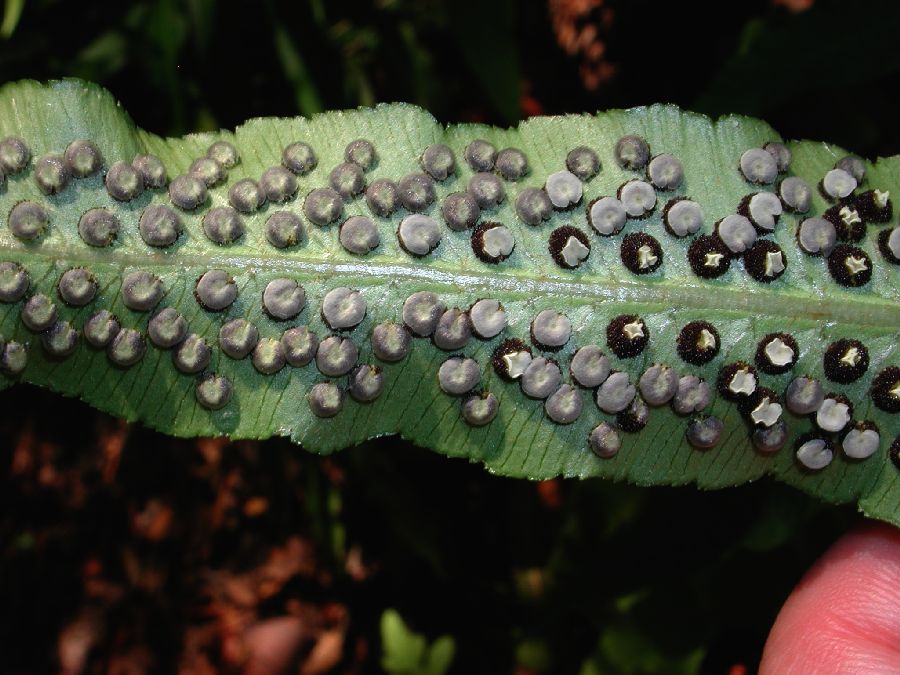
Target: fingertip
844	615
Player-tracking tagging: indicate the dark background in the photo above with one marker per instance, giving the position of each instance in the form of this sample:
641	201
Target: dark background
122	550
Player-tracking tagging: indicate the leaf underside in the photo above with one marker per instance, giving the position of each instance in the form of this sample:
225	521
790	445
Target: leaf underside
521	440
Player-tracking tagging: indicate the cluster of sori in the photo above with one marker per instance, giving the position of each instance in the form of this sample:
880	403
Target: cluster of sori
533	359
741	234
698	343
831	235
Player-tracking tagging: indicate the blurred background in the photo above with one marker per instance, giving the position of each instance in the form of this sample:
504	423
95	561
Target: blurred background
124	551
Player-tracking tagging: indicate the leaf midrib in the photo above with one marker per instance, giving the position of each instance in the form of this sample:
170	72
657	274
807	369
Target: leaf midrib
862	311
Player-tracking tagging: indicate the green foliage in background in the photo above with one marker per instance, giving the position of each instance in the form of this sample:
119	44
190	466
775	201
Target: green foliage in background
405	652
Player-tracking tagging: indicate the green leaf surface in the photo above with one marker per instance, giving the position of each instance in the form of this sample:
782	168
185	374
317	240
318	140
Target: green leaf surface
521	440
